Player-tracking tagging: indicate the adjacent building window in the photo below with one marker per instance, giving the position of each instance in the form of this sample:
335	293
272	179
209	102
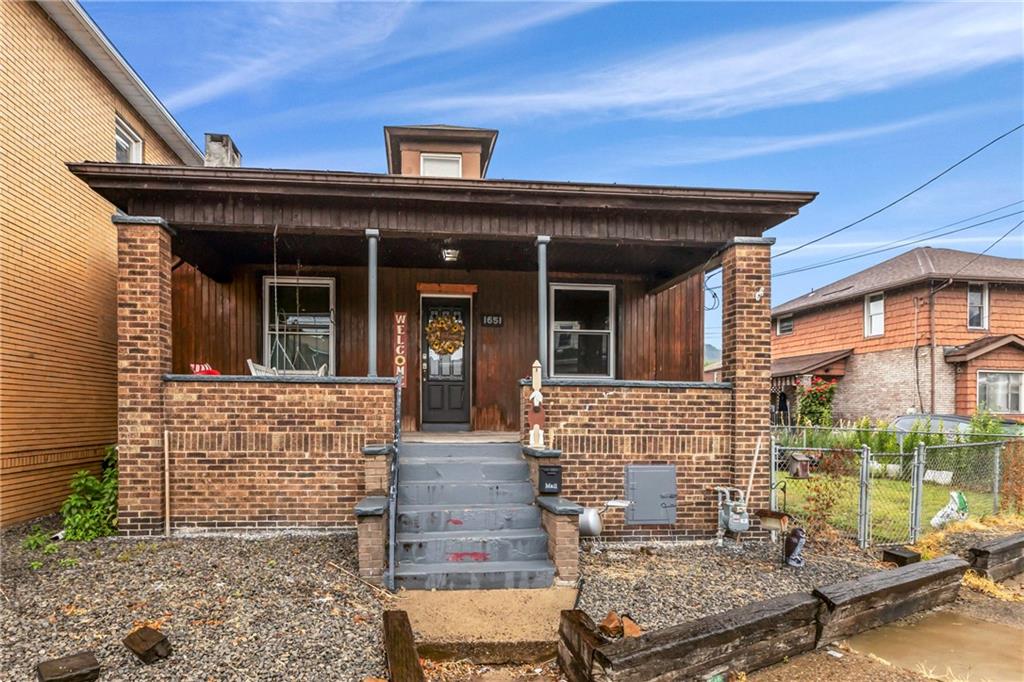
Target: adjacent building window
784	325
127	143
999	391
298	327
582	330
977	306
874	315
441	165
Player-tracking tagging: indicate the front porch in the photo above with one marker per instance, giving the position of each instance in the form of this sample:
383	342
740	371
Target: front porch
300	271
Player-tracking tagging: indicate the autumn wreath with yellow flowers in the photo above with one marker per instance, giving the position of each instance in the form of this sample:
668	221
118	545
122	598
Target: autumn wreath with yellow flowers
445	334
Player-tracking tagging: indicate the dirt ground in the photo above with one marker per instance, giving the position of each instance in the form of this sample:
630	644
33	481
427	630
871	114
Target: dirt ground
822	665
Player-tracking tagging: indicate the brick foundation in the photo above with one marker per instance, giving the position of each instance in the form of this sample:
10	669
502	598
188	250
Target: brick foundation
372	547
563	543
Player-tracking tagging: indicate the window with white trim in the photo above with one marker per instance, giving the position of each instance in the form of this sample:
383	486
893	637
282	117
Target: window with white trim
298	323
977	306
127	143
582	330
441	165
1000	391
784	325
874	314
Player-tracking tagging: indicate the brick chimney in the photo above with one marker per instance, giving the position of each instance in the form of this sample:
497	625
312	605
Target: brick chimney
221	151
441	151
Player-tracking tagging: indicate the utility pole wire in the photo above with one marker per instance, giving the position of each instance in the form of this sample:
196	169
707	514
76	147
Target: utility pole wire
905	196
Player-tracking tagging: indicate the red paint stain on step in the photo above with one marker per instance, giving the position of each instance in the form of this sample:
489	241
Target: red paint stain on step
455	522
468	556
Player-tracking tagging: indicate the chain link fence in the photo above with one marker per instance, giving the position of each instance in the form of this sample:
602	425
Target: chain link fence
886	498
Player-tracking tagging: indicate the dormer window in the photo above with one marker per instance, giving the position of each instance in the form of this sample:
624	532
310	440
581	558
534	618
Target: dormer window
441	165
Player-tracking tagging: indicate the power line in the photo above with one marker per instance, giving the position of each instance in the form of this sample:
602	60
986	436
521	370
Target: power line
987	249
905	196
893	245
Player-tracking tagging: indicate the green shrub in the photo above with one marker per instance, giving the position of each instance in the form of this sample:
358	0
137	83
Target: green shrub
90	511
37	539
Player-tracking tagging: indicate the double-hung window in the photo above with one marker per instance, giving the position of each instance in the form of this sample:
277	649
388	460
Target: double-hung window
784	325
441	165
298	327
874	314
582	330
1000	391
127	143
977	306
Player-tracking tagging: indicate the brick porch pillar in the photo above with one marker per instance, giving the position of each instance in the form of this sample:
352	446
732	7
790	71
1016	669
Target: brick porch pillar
747	357
143	357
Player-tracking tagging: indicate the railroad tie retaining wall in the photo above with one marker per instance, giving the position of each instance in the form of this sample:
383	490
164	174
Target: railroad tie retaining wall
759	634
999	559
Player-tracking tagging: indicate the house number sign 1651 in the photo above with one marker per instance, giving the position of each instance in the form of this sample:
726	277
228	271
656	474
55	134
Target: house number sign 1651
492	320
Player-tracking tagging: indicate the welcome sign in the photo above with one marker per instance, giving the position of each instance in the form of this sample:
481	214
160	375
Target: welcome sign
401	346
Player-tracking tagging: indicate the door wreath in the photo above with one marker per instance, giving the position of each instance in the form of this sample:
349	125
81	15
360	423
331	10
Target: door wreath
445	334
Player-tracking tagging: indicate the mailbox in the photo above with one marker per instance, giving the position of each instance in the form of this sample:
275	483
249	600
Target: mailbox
549	479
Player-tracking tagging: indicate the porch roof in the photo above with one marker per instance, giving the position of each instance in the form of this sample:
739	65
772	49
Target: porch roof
657	231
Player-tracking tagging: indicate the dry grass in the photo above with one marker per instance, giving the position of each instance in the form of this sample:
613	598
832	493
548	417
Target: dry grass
937	543
980	583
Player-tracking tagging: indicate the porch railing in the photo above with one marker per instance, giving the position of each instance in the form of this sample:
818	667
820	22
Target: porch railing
396	446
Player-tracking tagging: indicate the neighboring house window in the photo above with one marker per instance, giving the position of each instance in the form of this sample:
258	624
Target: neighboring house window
582	330
874	315
298	327
999	391
127	143
977	306
783	326
441	165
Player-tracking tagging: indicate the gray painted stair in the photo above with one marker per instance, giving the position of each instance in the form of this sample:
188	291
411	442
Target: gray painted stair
467	519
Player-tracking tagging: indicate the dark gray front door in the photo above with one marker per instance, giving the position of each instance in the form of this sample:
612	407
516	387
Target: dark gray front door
447	360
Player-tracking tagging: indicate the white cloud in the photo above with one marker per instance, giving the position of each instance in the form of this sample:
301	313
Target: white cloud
306	41
795	64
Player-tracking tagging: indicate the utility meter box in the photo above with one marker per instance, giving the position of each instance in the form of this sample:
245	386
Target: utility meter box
549	479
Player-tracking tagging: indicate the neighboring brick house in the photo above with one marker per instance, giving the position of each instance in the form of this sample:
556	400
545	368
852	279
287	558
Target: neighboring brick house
66	95
918	333
312	293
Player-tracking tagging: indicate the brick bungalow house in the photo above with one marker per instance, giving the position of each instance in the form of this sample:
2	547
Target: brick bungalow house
933	331
310	291
67	95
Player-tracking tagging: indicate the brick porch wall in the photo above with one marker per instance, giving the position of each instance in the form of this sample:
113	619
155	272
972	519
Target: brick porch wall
601	429
269	454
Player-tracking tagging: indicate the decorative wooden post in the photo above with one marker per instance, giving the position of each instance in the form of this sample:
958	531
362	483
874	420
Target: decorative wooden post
535	416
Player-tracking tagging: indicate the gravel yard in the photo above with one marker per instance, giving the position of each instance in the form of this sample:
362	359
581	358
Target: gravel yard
233	608
660	585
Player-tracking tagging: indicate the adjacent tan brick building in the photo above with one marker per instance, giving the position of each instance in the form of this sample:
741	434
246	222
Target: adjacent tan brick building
67	96
929	305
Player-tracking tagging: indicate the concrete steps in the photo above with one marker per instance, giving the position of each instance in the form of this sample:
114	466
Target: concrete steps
467	520
486	575
524	544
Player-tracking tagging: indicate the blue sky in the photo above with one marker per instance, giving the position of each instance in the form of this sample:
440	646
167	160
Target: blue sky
858	101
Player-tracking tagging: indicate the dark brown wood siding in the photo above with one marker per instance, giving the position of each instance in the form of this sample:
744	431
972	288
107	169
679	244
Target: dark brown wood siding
659	337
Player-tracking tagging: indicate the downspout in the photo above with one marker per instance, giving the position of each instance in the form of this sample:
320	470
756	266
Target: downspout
931	334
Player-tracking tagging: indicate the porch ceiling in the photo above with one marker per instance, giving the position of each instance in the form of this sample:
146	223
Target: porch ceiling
217	253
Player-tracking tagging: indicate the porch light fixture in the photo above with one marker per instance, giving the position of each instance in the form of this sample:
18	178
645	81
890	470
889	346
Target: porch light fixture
450	255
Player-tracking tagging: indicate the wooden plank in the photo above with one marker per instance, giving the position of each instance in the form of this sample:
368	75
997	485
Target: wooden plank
896	581
400	648
742	639
445	288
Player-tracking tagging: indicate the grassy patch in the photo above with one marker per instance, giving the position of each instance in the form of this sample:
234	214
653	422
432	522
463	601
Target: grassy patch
890	505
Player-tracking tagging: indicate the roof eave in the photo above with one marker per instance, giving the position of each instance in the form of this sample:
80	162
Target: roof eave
87	36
